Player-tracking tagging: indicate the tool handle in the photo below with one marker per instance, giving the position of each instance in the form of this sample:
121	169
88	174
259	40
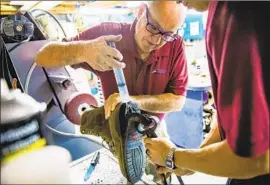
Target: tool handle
95	158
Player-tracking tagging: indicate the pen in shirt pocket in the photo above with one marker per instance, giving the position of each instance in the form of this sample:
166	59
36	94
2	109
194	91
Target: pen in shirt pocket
159	71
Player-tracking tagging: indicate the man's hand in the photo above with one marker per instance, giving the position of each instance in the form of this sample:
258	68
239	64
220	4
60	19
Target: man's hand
158	149
177	171
102	57
95	52
110	104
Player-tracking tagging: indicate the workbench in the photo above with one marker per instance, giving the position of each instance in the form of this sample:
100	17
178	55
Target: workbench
107	170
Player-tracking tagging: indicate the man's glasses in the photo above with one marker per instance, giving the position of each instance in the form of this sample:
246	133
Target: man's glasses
167	36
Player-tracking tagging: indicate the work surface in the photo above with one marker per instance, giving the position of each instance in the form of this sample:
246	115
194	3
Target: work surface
107	170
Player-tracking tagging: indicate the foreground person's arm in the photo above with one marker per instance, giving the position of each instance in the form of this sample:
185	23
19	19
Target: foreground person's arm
217	159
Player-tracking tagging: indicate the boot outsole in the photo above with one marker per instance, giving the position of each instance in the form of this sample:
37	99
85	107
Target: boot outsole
135	162
133	150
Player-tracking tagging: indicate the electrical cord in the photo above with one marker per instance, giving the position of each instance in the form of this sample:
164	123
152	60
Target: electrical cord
27	80
28	76
56	20
77	136
19	43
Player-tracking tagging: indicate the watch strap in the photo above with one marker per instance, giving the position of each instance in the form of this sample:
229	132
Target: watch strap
170	155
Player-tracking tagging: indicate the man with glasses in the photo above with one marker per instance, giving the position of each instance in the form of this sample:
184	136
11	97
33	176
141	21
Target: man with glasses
150	52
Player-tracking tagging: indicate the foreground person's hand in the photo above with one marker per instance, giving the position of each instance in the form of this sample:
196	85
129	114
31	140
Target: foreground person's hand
158	149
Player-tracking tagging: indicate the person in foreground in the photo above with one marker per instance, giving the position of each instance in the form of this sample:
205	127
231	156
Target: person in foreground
237	43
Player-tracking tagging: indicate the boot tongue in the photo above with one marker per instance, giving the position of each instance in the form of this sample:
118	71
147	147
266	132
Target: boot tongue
126	110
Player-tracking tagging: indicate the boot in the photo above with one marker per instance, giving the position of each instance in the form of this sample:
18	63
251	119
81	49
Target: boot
93	122
122	137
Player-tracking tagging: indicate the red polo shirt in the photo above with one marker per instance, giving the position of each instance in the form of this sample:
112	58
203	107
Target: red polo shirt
238	48
164	72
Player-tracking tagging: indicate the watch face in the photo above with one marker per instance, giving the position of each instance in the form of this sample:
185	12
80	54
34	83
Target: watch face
169	164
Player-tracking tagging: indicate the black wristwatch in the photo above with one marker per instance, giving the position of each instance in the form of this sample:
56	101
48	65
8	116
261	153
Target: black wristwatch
169	162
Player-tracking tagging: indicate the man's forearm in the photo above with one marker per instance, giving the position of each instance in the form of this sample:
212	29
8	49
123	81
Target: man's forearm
58	54
218	160
160	103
